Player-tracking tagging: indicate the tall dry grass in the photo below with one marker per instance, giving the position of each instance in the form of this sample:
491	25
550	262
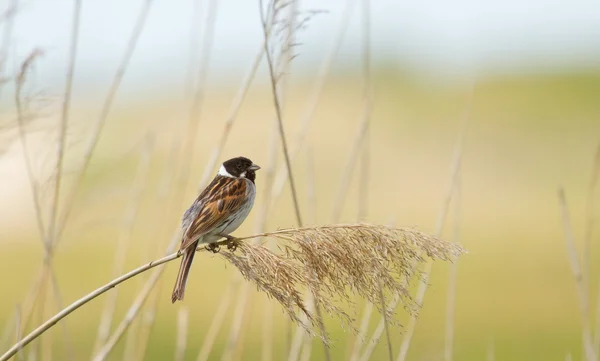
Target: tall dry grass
306	269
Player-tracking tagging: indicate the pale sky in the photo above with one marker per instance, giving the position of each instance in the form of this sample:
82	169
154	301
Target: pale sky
434	37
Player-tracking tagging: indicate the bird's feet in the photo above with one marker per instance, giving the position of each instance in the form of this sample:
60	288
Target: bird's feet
232	242
214	248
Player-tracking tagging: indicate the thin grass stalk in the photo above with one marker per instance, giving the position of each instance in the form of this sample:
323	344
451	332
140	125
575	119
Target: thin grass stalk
291	234
239	315
376	336
124	240
455	169
307	342
148	320
46	343
189	144
276	101
9	18
589	228
192	72
577	272
231	117
362	331
83	300
491	351
47	269
363	188
182	329
312	218
18	332
298	340
451	299
135	307
299	343
64	120
97	128
162	194
216	323
21	123
129	353
187	151
597	336
589	221
316	92
261	219
107	106
31	295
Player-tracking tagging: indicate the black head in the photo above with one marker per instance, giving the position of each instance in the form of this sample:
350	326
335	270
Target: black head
240	167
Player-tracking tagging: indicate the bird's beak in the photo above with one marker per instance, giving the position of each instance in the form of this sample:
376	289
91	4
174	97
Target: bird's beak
253	167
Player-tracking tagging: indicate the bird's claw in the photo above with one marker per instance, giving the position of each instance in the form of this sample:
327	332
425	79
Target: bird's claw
214	248
232	245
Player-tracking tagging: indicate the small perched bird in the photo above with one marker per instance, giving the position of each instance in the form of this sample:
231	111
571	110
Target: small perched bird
219	210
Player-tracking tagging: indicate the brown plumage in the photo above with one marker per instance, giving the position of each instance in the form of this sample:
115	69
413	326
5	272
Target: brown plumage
219	210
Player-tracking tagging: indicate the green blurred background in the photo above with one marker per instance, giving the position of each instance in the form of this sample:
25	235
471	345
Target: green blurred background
530	129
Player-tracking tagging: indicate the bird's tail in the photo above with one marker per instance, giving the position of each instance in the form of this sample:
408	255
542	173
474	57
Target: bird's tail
184	270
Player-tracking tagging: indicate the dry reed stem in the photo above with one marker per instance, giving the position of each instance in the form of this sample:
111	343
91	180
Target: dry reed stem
47	265
455	168
597	336
238	322
267	23
362	331
97	128
189	144
451	300
577	272
491	352
136	305
106	107
33	56
187	151
124	240
162	193
148	320
316	92
9	18
589	222
182	329
307	341
589	228
261	219
64	120
231	117
370	346
399	244
18	331
216	323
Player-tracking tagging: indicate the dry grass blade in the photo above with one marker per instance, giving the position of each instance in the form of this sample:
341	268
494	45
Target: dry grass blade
9	18
182	328
451	300
582	293
124	240
455	168
106	107
215	325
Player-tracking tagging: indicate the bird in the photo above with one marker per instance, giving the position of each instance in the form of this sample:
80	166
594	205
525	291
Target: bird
219	210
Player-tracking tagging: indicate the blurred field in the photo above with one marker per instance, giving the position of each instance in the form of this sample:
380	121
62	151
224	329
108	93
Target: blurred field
526	136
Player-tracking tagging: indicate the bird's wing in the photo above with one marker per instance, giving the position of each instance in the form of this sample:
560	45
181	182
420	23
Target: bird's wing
222	198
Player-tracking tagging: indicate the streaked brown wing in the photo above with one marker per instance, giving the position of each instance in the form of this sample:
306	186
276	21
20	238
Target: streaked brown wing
223	197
